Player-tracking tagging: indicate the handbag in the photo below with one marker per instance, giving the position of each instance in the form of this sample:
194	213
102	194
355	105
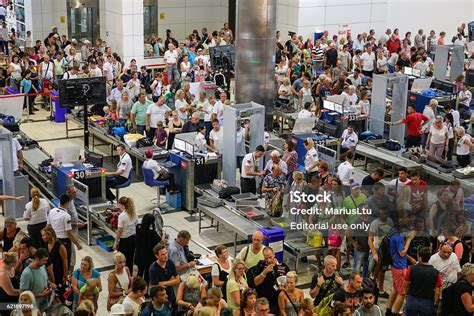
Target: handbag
144	142
275	206
115	300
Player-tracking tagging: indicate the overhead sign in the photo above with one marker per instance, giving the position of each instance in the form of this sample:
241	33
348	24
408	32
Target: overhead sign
344	30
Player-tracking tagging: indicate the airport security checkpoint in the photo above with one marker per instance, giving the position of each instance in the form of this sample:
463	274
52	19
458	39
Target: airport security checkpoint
217	166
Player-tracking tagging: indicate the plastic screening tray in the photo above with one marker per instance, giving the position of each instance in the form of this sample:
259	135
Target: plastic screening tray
209	201
251	212
244	196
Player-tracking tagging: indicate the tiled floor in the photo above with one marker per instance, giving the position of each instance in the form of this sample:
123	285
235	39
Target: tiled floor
142	195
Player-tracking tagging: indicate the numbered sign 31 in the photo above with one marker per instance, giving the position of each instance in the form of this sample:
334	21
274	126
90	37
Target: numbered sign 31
199	161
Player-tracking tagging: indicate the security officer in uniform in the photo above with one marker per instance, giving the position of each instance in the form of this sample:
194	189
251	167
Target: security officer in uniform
124	167
311	159
349	141
60	221
248	184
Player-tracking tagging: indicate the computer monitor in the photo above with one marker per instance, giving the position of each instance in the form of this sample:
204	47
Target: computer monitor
408	71
93	158
189	149
67	154
179	144
416	72
329	105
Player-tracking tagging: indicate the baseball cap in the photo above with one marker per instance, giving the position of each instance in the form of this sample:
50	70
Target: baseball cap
87	42
355	186
149	153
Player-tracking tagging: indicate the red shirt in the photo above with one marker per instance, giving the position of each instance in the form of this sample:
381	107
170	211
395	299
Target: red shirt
393	45
413	122
419	196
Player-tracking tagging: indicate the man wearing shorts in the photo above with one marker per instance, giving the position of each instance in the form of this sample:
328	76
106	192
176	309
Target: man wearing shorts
398	251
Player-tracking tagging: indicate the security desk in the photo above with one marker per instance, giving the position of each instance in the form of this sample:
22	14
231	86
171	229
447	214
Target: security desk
94	178
190	172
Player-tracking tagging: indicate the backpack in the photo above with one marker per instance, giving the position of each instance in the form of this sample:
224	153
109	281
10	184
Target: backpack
144	142
384	250
251	274
275	206
392	145
449	298
226	193
465	252
224	285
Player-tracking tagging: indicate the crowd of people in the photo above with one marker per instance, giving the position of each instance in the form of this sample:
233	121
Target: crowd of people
422	244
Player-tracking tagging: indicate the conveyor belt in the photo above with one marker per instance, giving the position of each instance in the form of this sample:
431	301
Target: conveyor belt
466	184
385	156
238	224
295	240
34	157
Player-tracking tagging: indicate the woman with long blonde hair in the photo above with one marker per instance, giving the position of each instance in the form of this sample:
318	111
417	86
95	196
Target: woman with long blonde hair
236	284
36	213
125	237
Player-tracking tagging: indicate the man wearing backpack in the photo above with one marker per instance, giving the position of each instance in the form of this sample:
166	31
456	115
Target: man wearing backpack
326	283
252	254
379	228
398	252
422	283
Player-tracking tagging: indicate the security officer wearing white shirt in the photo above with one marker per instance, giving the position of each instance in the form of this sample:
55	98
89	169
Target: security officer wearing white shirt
349	141
124	167
306	112
60	221
250	171
311	159
345	173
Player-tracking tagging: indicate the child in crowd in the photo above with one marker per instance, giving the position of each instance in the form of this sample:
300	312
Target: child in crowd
157	86
106	110
26	86
160	135
90	291
128	123
113	110
364	103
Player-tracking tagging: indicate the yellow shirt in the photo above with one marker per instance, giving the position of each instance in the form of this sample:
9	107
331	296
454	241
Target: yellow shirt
232	286
252	259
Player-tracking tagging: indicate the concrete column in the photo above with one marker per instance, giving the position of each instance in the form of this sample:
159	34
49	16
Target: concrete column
255	54
124	28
